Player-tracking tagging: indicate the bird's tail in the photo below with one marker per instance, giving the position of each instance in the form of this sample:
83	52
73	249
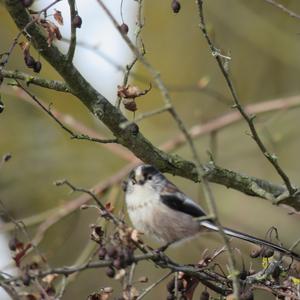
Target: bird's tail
251	239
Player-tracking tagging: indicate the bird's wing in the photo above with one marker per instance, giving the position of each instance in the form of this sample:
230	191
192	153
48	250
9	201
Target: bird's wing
175	199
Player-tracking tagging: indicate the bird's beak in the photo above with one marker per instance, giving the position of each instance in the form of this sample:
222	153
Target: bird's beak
139	179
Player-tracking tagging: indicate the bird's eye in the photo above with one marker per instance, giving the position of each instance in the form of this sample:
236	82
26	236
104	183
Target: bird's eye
149	177
133	182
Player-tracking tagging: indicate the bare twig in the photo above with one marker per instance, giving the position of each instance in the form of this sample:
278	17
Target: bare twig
249	119
72	134
283	8
72	46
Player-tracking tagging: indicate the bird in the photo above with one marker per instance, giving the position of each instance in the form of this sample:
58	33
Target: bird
158	209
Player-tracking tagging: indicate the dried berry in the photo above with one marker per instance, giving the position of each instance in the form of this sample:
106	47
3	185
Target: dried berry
77	21
101	253
124	28
204	295
27	3
110	272
267	252
26	279
13	244
171	285
37	67
29	61
111	251
175	6
117	263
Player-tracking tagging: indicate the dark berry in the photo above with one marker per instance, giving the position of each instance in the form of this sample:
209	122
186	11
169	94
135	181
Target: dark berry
29	61
117	263
77	22
102	253
13	244
175	6
204	295
111	251
37	67
26	279
124	28
267	252
27	3
110	272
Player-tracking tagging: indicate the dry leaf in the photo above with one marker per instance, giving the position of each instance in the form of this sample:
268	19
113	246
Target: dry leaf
134	235
120	274
58	17
52	30
49	278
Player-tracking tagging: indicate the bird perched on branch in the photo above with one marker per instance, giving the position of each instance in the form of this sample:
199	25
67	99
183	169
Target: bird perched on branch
159	209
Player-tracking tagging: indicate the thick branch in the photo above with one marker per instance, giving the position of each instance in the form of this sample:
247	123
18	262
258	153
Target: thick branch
130	137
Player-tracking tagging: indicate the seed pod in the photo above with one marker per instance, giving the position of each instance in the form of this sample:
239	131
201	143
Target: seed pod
77	21
175	5
37	67
110	272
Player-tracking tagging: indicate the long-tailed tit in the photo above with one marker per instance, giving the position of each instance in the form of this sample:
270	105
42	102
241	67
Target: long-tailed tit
159	209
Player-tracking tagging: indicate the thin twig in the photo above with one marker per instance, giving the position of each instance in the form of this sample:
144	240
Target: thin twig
72	45
249	119
283	8
72	134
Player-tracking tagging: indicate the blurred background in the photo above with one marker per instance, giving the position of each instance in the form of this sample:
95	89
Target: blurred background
264	44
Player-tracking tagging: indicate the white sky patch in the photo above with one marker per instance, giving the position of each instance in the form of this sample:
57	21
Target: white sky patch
98	30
